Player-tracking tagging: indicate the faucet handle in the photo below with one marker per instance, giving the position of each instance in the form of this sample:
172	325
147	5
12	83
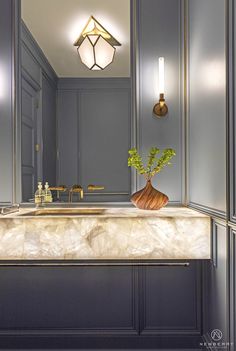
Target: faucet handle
76	187
92	187
58	188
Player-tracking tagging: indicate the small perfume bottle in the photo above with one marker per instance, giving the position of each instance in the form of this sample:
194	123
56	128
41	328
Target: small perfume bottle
39	195
47	194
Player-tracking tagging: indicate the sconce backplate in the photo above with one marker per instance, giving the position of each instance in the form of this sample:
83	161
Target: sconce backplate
160	111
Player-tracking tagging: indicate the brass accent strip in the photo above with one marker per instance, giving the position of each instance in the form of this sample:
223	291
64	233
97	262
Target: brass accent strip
101	193
94	264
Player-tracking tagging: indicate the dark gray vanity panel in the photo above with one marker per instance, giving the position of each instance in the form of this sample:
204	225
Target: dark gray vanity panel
207	105
100	307
85	299
49	130
6	102
159	26
93	125
171	301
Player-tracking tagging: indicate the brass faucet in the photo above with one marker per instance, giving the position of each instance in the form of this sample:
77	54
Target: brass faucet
58	189
76	189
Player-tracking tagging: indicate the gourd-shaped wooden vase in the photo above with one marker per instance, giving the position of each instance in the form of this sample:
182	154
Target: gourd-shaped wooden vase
149	198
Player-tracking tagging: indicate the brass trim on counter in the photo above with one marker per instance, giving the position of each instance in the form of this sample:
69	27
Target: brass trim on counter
94	264
106	193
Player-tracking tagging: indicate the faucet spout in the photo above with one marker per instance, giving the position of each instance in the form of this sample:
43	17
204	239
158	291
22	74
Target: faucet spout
76	189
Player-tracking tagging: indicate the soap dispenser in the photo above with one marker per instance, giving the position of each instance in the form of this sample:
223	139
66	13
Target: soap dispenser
47	194
39	195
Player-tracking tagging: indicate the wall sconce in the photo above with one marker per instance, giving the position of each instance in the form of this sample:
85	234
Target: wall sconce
96	46
161	109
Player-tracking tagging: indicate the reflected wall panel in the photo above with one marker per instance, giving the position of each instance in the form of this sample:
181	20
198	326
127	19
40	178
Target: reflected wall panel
6	109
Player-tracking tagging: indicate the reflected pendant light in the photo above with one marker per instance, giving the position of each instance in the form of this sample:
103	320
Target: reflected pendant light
96	46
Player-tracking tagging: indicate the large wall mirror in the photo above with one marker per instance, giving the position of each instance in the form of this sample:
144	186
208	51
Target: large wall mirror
75	122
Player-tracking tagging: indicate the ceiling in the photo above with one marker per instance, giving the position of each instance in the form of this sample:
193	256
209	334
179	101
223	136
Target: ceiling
56	24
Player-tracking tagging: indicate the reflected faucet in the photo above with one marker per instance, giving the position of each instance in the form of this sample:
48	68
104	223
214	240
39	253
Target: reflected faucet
76	189
58	189
92	187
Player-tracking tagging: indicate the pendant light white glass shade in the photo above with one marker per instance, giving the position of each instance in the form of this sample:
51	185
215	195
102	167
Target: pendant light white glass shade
86	53
104	53
96	53
96	46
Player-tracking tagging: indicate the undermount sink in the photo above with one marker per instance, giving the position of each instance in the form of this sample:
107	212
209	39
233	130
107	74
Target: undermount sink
65	212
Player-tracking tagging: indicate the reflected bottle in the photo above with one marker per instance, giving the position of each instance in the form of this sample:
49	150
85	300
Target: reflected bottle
39	195
47	194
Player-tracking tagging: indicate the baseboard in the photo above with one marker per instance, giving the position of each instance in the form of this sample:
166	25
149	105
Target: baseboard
74	342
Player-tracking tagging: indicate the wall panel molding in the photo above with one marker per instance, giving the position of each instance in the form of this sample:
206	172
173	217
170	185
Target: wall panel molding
151	131
93	83
37	54
7	100
105	103
207	106
208	210
231	112
216	273
232	304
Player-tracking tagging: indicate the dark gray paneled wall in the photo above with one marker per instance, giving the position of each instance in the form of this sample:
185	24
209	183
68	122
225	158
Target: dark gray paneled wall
6	99
93	121
232	106
232	170
37	71
207	104
216	277
49	130
159	25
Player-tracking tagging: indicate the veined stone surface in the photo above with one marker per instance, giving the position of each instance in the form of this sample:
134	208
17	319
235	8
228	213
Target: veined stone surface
117	234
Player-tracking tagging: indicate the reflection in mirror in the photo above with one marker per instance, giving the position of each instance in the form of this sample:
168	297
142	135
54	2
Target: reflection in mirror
75	122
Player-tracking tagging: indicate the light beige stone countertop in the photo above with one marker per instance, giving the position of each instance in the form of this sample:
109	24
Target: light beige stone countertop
107	212
117	233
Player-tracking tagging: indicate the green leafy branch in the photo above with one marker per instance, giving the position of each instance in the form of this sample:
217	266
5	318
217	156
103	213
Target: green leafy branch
154	164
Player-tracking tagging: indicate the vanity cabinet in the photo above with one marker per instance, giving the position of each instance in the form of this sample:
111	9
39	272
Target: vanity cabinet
170	300
100	306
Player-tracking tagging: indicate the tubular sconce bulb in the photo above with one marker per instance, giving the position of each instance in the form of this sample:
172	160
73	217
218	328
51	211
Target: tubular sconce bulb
161	109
